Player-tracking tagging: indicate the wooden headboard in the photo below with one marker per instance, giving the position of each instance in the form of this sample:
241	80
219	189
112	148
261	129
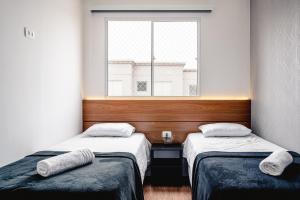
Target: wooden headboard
153	116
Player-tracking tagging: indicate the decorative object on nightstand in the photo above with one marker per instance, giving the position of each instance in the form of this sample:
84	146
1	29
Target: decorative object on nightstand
167	137
167	165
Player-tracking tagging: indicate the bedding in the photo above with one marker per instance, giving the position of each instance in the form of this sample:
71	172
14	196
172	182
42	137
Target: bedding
196	143
111	176
224	130
222	168
235	176
116	173
64	162
136	144
110	130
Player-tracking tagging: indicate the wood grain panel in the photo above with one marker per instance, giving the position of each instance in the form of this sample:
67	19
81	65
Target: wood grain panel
153	116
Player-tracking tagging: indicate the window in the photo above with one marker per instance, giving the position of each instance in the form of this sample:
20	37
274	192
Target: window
116	88
192	90
152	58
142	86
163	88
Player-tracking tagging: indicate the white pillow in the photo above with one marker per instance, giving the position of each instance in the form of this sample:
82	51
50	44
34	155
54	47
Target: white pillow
224	130
110	129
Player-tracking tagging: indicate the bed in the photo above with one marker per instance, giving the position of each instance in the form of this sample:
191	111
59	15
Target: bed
117	172
223	168
136	144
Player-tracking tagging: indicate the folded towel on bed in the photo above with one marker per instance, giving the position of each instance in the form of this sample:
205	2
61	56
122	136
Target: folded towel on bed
276	163
63	162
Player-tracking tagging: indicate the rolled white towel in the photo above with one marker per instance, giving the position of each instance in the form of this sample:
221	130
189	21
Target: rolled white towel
276	163
63	162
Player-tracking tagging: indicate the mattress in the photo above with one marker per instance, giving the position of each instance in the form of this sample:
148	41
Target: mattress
196	143
136	144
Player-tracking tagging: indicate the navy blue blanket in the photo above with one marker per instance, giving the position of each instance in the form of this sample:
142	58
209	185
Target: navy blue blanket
110	176
236	176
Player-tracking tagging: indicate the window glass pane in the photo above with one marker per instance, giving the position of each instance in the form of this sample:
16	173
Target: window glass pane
174	61
163	88
175	58
129	57
192	90
116	88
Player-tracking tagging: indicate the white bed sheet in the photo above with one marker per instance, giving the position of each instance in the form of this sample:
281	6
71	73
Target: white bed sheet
196	143
136	144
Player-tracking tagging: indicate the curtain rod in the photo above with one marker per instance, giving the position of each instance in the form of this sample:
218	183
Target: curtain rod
151	8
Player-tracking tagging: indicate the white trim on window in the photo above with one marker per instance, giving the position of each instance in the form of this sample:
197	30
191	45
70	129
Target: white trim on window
156	19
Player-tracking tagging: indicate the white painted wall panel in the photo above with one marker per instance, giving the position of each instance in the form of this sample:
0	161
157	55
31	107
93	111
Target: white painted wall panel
275	34
40	79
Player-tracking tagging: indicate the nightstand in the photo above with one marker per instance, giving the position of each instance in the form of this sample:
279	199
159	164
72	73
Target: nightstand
167	165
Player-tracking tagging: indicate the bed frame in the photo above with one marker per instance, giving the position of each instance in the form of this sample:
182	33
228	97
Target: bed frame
152	116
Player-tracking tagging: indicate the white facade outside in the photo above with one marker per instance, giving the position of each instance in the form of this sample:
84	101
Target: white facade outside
129	78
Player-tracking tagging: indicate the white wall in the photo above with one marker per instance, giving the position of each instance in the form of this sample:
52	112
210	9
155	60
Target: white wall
225	46
275	36
40	79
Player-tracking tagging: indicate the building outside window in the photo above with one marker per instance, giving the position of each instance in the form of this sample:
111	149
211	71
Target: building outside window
142	86
152	58
192	90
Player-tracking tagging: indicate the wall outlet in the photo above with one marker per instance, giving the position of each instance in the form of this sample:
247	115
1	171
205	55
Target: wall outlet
30	34
166	134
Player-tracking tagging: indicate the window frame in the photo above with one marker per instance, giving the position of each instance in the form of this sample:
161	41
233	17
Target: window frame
155	19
